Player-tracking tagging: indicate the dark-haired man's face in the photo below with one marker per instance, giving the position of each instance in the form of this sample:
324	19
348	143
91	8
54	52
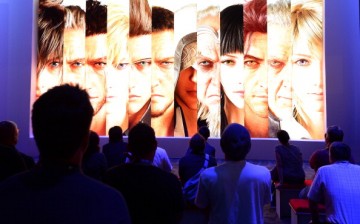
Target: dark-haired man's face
96	53
49	76
162	88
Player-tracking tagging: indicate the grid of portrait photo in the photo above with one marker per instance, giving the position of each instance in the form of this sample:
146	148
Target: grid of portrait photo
180	65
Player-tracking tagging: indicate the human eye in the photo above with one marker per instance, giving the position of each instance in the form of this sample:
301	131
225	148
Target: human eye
205	65
166	63
276	64
121	66
251	64
228	62
142	64
302	62
77	64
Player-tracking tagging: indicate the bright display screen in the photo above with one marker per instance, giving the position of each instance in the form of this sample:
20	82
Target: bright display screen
179	65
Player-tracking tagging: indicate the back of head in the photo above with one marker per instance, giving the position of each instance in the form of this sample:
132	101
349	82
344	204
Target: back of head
283	136
197	144
61	120
231	30
204	131
235	142
8	133
334	133
141	140
162	19
339	152
96	18
93	145
115	134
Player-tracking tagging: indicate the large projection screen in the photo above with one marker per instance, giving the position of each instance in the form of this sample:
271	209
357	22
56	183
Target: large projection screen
183	65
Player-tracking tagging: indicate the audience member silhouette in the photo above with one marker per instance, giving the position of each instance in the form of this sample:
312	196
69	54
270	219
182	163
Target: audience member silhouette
236	191
289	162
161	160
94	163
115	151
209	149
56	191
152	195
338	186
11	161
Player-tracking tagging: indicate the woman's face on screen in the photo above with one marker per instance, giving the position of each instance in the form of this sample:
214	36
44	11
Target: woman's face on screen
308	81
232	77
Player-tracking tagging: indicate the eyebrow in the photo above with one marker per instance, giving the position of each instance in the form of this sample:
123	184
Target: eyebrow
142	59
102	59
253	57
75	60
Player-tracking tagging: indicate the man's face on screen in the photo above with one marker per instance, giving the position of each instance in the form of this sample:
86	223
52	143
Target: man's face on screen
255	70
279	71
74	56
162	88
96	52
208	69
140	73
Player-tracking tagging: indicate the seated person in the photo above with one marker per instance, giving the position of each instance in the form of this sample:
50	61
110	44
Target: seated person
289	163
338	186
152	195
56	191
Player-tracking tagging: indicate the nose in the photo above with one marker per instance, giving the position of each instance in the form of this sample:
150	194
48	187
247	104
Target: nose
193	77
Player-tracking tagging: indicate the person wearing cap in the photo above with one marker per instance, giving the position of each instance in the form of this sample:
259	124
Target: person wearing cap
186	86
236	191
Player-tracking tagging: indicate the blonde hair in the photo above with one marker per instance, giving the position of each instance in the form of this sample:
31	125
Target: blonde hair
117	30
306	19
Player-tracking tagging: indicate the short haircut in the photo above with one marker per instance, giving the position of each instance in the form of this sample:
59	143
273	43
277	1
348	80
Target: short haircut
283	136
279	13
162	19
231	30
61	120
235	142
115	134
140	18
340	151
141	140
50	35
74	17
96	18
255	17
204	131
197	143
93	146
334	133
8	133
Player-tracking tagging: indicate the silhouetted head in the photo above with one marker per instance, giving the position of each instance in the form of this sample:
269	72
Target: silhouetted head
61	120
197	144
334	133
235	142
8	133
142	141
204	131
339	152
115	134
93	146
283	137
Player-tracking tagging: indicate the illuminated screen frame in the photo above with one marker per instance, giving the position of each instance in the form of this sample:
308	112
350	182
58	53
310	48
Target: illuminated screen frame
278	90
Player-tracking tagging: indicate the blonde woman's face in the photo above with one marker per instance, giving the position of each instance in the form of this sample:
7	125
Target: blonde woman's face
308	81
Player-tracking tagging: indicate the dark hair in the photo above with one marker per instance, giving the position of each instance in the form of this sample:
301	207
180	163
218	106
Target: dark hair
197	143
95	18
231	30
115	134
93	145
235	142
204	131
162	19
339	151
61	120
141	140
50	35
8	133
255	17
334	133
140	18
283	136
